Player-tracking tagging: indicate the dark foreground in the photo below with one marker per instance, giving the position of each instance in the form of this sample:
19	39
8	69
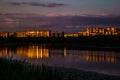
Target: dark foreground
17	70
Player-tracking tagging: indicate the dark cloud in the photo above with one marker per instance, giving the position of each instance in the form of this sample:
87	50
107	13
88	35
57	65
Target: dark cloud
16	22
37	4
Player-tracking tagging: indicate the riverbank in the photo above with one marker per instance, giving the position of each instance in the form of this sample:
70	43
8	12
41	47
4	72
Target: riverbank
81	43
71	46
17	70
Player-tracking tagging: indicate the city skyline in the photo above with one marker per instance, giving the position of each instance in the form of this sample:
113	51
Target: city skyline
69	16
60	34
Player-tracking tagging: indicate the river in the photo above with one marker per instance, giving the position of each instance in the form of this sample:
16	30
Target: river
107	62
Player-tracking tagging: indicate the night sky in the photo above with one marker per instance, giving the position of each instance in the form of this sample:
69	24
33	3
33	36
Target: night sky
69	16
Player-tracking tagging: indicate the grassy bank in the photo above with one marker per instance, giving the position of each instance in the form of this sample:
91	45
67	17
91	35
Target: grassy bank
17	70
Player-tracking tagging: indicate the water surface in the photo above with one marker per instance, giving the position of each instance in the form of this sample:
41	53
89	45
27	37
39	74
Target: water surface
107	62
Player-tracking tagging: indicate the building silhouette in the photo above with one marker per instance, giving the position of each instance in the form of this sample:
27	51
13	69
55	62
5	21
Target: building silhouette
47	33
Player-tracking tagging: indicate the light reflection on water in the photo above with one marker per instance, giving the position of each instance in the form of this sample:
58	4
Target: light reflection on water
107	62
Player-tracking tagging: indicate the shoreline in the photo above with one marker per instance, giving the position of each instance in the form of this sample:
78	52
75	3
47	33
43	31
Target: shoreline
80	43
18	70
74	46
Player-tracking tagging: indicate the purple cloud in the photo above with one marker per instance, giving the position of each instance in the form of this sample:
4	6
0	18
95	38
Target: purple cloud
67	23
37	4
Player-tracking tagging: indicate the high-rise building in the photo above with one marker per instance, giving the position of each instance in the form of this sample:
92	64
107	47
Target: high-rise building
4	34
34	33
99	31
